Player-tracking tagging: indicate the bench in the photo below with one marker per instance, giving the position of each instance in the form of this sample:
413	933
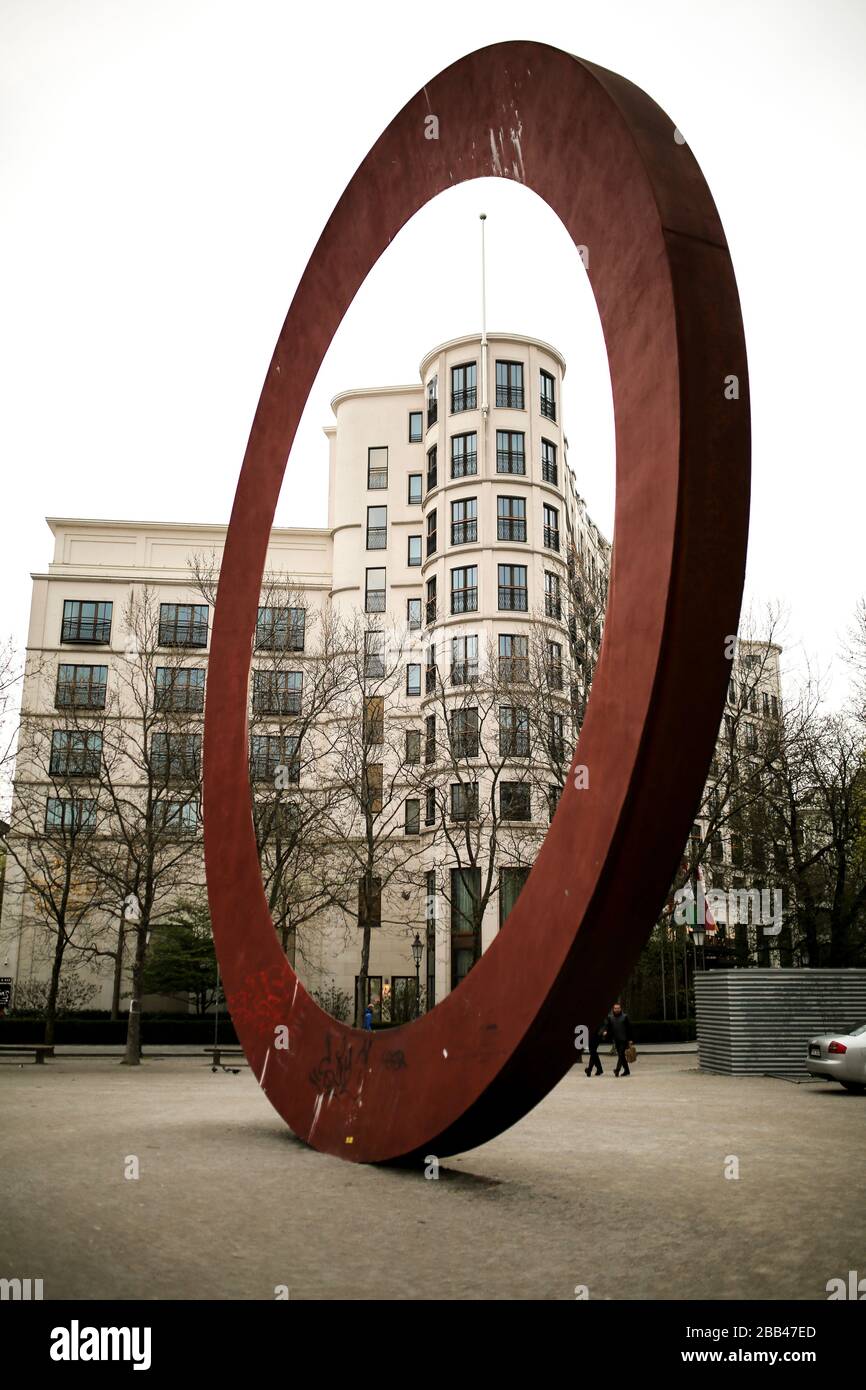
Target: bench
40	1050
217	1054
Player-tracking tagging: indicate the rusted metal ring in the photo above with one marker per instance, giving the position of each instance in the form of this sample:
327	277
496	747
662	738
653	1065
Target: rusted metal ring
605	157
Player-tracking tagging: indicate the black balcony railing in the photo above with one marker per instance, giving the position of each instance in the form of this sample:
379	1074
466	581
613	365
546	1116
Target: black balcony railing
82	630
512	597
464	465
432	413
549	472
551	537
432	478
464	400
556	749
513	743
554	675
510	397
180	698
431	542
374	666
548	408
375	601
552	606
377	478
464	600
377	537
510	461
264	768
514	669
76	695
509	528
75	762
464	672
430	680
271	701
182	634
464	745
464	532
430	611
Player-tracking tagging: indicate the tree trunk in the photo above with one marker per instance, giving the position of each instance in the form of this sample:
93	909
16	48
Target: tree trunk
118	973
54	988
132	1056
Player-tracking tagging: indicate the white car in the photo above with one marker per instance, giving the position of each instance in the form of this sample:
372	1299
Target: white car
839	1057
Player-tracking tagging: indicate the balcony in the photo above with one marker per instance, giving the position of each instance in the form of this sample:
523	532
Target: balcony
507	461
465	746
174	698
430	681
549	472
432	478
513	743
464	532
265	766
74	695
552	606
510	528
430	612
512	598
509	397
514	670
464	672
464	400
548	408
551	537
374	666
377	537
374	601
183	634
75	762
285	702
431	543
464	601
554	676
86	630
464	465
377	478
556	749
432	413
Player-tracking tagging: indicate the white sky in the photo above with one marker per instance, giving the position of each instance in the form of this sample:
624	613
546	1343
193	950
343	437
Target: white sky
167	165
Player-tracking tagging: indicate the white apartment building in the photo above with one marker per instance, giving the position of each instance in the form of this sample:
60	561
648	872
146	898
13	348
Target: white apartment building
458	544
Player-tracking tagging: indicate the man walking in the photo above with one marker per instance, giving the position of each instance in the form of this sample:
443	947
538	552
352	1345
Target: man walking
618	1025
595	1037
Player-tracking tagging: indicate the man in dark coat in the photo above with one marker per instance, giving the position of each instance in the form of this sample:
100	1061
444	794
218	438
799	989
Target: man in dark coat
618	1026
596	1035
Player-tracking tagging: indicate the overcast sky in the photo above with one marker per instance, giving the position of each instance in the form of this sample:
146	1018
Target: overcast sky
166	167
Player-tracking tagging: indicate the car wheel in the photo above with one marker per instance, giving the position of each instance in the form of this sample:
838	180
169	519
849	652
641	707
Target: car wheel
856	1087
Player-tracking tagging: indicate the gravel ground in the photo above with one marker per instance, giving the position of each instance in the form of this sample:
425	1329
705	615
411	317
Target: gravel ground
618	1185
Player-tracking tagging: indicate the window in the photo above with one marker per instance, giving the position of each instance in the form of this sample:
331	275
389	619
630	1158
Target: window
512	587
86	622
281	629
431	532
554	665
430	673
377	467
430	806
413	555
513	732
175	757
463	388
549	470
177	817
413	614
465	909
373	992
514	801
374	659
374	593
553	795
551	527
413	747
370	903
374	720
552	598
556	737
774	705
511	519
81	687
464	521
377	528
413	815
464	589
464	660
509	385
464	800
463	733
432	401
69	814
464	455
513	658
548	396
432	468
416	488
511	881
183	624
510	452
413	678
75	754
430	739
416	426
372	783
180	689
431	600
277	692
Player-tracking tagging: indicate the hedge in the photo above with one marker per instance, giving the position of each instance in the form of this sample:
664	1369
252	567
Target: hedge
94	1032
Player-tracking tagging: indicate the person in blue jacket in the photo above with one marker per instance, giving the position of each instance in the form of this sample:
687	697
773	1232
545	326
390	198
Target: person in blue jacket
368	1017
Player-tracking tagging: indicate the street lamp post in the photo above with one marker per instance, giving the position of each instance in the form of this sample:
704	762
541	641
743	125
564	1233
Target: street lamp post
417	950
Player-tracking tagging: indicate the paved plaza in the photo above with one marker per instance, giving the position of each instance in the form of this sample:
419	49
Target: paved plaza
618	1185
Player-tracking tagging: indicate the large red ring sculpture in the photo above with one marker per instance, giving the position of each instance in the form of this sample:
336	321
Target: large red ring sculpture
606	158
